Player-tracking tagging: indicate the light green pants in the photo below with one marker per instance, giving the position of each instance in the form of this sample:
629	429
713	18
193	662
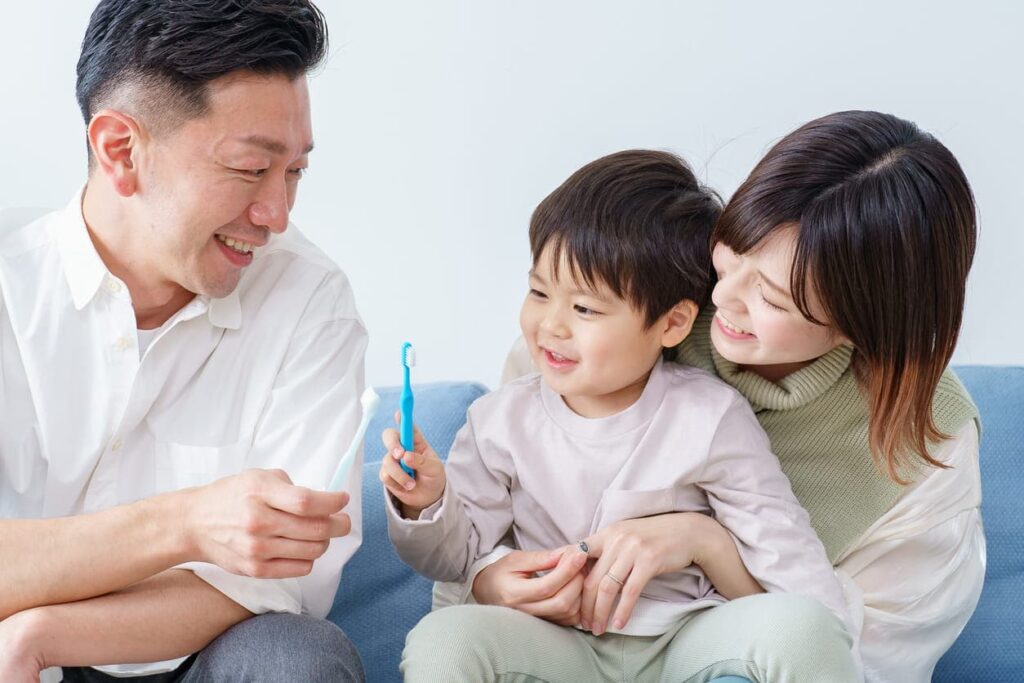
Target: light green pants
769	638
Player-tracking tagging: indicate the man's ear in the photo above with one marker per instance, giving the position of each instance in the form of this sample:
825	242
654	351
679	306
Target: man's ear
114	137
677	323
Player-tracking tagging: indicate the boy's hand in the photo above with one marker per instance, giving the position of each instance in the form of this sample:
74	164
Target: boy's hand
414	494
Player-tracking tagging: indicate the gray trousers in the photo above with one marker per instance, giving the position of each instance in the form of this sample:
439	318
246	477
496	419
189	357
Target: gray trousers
268	647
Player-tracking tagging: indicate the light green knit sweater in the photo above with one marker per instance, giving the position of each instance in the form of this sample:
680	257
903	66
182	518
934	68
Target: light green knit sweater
817	420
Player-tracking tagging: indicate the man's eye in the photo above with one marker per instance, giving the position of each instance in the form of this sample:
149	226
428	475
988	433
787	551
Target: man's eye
539	294
251	172
297	172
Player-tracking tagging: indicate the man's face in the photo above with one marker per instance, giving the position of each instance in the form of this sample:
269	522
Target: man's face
212	190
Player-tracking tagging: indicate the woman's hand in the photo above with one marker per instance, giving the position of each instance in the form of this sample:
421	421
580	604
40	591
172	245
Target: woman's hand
632	552
556	596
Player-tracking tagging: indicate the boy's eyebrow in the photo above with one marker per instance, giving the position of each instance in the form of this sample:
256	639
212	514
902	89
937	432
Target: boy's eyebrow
774	286
591	293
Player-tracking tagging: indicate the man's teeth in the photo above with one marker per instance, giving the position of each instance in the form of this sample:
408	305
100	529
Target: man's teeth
240	247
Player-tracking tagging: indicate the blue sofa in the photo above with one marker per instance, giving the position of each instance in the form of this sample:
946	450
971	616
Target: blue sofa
381	599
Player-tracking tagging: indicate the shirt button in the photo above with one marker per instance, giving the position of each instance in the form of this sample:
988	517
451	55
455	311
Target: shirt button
116	445
123	344
113	286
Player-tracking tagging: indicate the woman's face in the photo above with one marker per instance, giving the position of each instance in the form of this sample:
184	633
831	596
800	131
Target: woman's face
757	322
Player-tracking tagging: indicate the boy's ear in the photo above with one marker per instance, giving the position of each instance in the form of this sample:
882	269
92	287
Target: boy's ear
677	323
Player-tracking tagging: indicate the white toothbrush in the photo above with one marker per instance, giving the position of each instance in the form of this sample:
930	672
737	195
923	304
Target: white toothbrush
370	401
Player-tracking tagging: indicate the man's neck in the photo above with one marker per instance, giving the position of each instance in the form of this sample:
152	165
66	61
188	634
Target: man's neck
111	230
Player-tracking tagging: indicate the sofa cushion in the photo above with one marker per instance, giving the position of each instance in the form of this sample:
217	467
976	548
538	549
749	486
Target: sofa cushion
990	648
380	599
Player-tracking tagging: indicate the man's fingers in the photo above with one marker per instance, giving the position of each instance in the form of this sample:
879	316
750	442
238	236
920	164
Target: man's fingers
288	526
299	500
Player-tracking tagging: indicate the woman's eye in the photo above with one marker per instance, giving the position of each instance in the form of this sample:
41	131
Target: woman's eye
769	303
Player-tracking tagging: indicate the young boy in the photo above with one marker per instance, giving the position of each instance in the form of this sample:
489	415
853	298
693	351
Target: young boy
606	431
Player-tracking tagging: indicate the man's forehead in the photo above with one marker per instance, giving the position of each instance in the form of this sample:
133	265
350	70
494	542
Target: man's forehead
269	144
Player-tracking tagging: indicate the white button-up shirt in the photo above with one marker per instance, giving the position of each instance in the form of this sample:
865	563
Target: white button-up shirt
269	377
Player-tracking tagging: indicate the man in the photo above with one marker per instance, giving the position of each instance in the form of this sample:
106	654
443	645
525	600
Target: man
179	370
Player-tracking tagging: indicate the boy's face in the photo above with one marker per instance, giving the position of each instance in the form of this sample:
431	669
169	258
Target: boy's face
590	346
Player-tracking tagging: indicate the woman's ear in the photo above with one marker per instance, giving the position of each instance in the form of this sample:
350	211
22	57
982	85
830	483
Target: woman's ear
677	323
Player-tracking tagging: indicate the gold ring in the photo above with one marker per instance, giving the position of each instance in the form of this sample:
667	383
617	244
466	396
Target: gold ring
613	578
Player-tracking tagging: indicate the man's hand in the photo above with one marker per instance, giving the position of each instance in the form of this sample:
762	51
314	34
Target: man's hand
417	494
20	653
259	524
556	596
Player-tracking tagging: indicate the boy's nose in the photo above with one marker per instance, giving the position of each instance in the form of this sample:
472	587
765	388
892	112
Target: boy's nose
554	326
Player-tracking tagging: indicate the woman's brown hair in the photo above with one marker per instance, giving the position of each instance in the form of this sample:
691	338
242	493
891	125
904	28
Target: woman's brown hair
887	233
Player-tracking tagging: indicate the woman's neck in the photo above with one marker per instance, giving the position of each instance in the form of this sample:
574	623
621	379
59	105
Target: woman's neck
776	373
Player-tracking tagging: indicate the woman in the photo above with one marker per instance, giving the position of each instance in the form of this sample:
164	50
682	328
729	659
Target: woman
842	263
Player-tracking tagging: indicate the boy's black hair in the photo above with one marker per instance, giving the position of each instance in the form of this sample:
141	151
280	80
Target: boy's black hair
638	221
172	49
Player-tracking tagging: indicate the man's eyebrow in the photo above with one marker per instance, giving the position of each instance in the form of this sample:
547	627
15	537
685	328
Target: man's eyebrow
774	286
271	145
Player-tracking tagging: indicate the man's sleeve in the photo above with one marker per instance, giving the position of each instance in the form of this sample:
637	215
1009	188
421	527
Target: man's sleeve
307	424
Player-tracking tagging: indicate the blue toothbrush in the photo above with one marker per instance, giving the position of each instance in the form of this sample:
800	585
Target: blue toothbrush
405	404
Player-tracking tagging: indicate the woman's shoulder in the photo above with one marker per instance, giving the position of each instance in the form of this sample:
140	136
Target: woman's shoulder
952	405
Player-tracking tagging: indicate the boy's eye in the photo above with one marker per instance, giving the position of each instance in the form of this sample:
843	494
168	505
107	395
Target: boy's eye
583	310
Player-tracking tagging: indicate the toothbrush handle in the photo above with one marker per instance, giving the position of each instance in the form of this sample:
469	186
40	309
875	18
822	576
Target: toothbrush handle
405	428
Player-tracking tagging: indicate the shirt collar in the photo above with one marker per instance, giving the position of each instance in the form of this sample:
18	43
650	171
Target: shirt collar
85	271
83	267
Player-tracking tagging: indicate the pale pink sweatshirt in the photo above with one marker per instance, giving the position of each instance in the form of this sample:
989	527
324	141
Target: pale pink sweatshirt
525	462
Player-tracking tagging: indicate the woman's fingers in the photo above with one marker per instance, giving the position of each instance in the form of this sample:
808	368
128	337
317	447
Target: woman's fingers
608	587
630	594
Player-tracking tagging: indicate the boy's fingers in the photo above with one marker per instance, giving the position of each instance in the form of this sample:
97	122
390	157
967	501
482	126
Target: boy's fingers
391	439
390	468
568	567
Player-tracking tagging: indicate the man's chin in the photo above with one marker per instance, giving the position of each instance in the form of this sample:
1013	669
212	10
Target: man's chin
219	289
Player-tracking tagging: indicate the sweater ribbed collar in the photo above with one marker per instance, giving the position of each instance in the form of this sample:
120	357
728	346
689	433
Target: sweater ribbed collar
793	391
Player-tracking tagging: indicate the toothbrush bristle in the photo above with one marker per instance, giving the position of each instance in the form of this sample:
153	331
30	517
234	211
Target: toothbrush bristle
410	357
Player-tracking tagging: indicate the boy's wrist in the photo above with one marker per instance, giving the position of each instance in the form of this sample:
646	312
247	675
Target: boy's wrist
413	512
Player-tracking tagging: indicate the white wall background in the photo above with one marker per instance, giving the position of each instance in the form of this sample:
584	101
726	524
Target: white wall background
440	125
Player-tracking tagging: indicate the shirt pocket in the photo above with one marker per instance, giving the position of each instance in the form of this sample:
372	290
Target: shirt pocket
617	505
180	466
